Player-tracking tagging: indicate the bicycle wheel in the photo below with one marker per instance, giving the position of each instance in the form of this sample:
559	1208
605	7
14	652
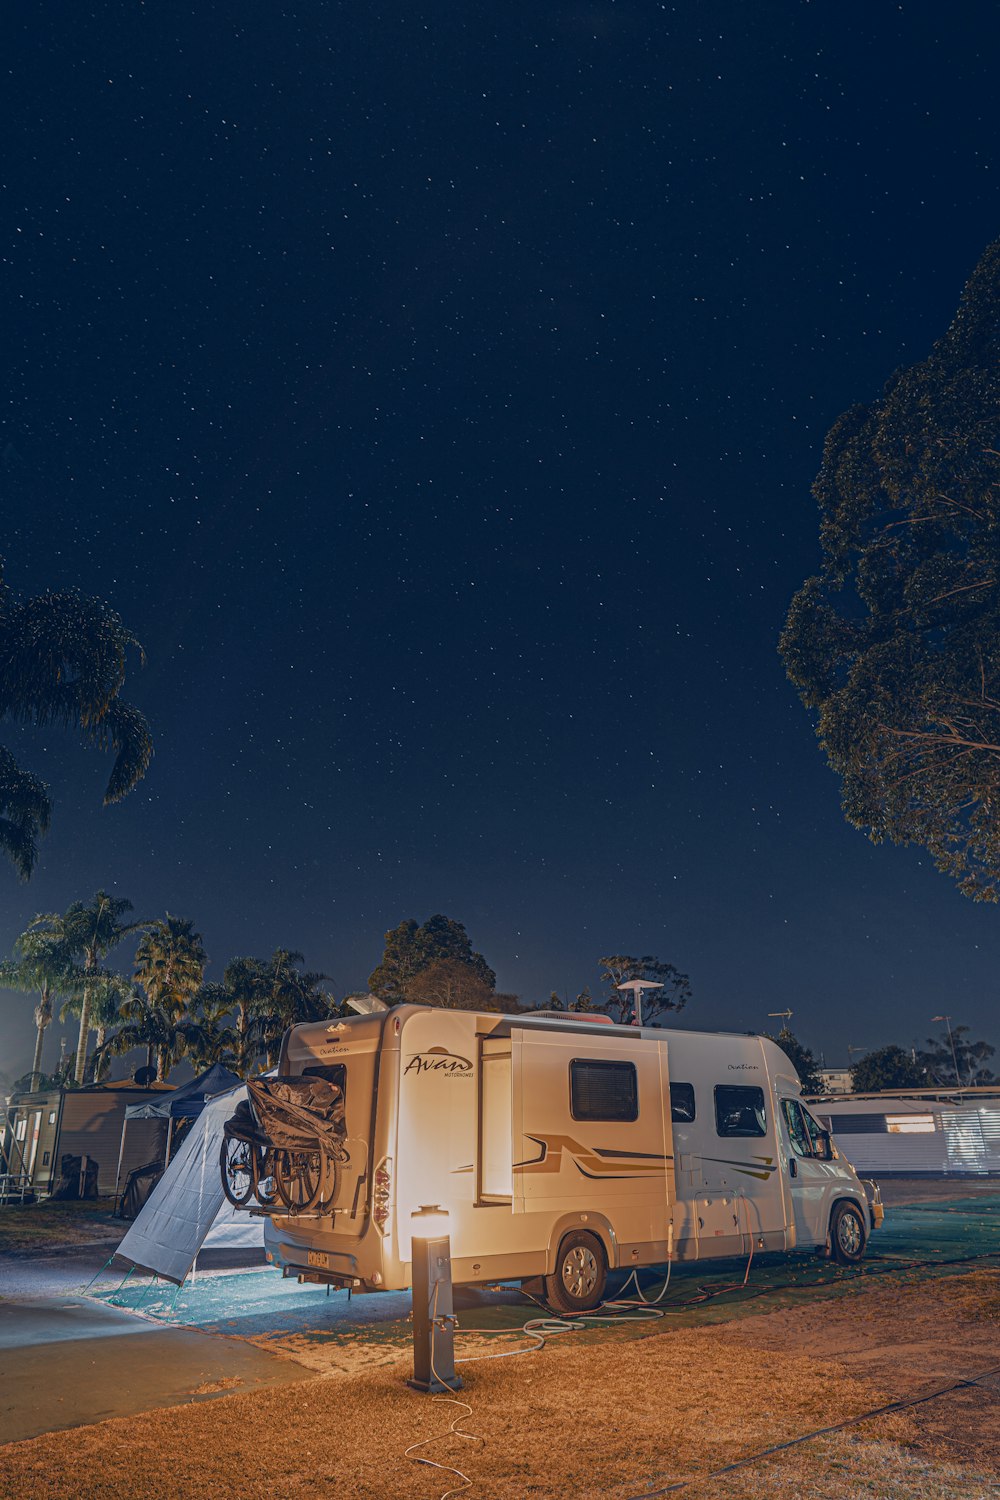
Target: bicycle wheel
299	1177
237	1167
264	1184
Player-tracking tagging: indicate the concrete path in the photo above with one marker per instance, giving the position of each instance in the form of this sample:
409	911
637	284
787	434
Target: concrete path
68	1361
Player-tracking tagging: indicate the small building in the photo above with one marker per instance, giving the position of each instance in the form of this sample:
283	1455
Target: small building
835	1080
43	1127
917	1131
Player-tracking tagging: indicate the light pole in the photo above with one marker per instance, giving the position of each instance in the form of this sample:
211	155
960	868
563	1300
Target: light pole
637	986
433	1311
951	1039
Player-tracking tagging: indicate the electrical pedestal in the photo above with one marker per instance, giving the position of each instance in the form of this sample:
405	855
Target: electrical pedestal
433	1316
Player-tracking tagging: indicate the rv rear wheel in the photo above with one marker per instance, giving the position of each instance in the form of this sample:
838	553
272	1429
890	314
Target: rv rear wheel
581	1274
847	1234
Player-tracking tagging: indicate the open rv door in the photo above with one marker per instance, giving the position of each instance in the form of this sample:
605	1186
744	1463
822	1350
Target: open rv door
591	1128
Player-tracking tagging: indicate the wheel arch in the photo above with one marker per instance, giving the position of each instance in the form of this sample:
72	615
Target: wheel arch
855	1202
597	1224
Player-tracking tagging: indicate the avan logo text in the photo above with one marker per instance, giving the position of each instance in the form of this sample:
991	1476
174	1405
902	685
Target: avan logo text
439	1060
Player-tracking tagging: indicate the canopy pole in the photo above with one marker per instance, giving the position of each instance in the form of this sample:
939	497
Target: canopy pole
121	1157
170	1132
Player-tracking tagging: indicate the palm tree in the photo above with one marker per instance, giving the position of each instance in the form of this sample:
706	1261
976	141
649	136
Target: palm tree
165	1036
265	996
62	661
170	964
287	997
210	1008
90	931
25	810
42	965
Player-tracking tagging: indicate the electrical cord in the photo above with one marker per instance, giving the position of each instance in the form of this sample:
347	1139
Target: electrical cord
963	1383
453	1430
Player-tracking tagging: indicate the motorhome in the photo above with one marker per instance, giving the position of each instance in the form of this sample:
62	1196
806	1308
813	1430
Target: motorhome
562	1149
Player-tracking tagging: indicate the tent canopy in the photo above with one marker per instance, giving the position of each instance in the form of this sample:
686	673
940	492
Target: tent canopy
189	1100
188	1208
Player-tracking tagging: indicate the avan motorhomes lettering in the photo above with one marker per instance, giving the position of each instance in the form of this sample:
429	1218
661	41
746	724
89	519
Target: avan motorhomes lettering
562	1149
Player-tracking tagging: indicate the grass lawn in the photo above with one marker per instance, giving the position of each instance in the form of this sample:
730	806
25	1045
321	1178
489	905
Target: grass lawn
47	1225
622	1419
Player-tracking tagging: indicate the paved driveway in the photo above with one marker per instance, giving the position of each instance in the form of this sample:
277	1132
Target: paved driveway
67	1361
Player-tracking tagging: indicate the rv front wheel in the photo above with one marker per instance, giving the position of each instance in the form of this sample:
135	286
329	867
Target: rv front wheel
581	1273
847	1234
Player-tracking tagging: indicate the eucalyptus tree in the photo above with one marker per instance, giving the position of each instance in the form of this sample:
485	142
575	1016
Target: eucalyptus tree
673	993
44	966
63	660
90	931
894	646
413	947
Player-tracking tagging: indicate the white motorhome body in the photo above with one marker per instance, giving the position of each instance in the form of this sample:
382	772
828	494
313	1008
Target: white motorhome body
532	1131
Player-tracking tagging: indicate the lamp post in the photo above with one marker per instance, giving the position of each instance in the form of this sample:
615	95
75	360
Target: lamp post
954	1054
433	1311
636	986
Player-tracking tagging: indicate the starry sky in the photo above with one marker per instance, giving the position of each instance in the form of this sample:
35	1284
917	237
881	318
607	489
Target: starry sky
436	391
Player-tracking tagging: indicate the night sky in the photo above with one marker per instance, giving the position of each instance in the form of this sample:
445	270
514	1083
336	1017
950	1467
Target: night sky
436	392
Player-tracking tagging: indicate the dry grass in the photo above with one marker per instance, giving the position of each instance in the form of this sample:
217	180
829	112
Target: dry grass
975	1295
46	1225
583	1422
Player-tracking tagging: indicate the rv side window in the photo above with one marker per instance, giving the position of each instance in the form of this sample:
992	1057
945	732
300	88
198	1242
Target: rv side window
739	1110
682	1102
603	1090
332	1072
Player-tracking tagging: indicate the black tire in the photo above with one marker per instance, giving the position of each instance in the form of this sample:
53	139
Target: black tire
331	1181
581	1274
299	1178
264	1172
237	1167
848	1234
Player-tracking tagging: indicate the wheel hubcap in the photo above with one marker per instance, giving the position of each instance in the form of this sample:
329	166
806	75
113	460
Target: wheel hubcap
849	1234
579	1272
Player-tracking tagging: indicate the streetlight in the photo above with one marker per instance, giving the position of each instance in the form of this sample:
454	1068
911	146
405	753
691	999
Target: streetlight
954	1054
637	986
433	1311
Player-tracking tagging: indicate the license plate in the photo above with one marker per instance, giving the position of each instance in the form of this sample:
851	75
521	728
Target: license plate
318	1258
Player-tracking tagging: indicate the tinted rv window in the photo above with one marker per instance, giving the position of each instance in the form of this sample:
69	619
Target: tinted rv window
682	1102
603	1090
332	1072
739	1110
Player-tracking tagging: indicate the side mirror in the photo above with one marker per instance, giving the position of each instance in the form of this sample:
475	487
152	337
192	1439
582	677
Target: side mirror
824	1146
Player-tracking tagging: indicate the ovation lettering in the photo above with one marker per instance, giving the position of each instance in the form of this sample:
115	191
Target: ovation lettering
437	1060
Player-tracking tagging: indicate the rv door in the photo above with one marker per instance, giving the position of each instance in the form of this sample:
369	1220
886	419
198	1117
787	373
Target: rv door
592	1129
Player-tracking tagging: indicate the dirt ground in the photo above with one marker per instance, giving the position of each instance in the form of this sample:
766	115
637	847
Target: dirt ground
619	1418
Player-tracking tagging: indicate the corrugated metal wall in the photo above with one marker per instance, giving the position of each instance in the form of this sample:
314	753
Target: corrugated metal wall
92	1126
965	1142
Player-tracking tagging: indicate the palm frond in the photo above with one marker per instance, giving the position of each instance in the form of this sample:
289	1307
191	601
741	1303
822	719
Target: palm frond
25	811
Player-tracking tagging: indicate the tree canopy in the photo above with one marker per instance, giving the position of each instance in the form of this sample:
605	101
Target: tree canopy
616	968
411	948
942	1052
886	1068
802	1060
62	661
895	644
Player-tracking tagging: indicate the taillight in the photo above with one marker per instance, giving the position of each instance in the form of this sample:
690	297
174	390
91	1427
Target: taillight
381	1195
